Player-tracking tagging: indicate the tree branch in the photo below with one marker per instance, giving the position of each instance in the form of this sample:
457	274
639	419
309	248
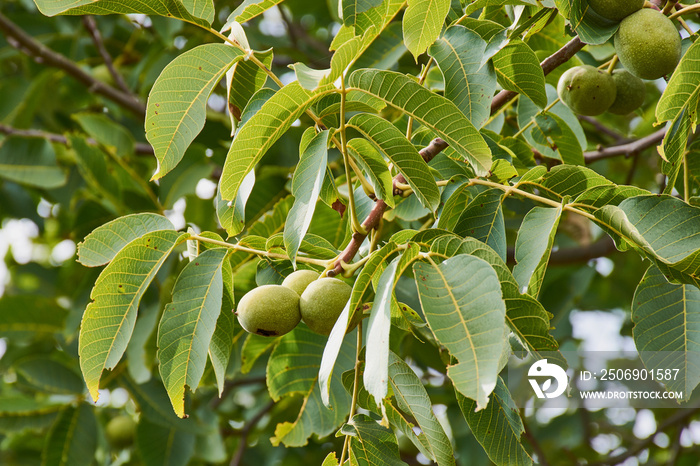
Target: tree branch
238	456
604	246
91	26
627	149
140	148
549	64
42	54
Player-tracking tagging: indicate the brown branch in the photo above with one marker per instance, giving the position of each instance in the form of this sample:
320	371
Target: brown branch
91	26
238	456
549	64
627	149
601	128
604	246
678	418
140	148
42	54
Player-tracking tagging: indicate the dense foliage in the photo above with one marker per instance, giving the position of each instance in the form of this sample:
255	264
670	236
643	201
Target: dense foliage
187	153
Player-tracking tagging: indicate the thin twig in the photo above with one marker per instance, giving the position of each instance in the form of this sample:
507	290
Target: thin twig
242	443
627	149
140	148
91	26
541	458
601	128
44	55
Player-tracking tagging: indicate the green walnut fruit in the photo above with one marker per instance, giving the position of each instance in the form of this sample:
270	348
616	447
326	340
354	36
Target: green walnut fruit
615	10
587	90
269	310
648	44
299	280
631	92
120	432
322	302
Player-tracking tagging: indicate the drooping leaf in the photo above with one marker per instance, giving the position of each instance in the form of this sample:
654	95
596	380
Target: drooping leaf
306	187
168	8
72	439
468	84
681	88
262	130
248	10
371	443
337	335
31	162
462	302
109	319
376	373
177	103
429	109
666	330
100	246
351	8
483	220
519	70
394	145
244	79
188	323
422	23
663	228
374	166
231	214
497	428
412	398
533	247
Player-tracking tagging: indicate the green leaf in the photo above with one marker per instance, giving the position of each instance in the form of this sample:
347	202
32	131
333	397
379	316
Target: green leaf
248	10
483	220
100	246
109	319
519	70
533	247
666	329
376	373
163	446
412	397
552	132
682	88
371	443
177	103
393	144
293	369
462	302
188	323
72	440
673	148
663	228
527	318
244	79
306	187
18	414
154	405
468	85
28	313
106	132
374	166
168	8
351	8
422	23
455	204
273	221
497	428
337	335
49	375
262	130
378	17
385	51
30	161
434	111
590	27
255	346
